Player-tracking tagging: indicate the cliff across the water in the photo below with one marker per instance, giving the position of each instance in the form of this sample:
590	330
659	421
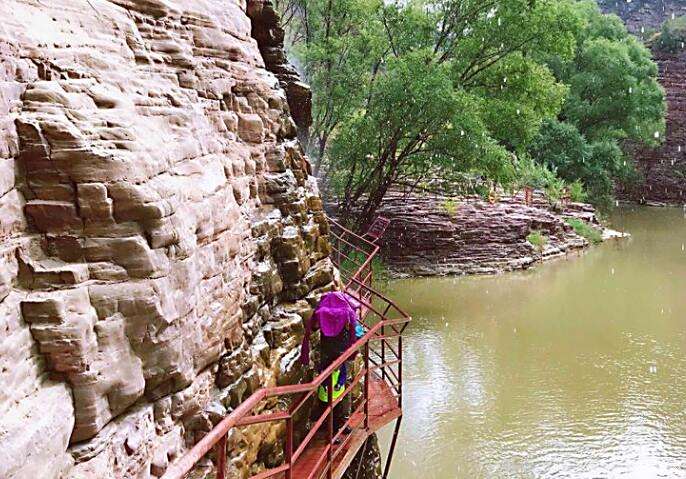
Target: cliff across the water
663	168
161	240
644	16
431	234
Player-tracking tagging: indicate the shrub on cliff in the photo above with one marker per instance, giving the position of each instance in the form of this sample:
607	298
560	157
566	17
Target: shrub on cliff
673	35
538	240
585	230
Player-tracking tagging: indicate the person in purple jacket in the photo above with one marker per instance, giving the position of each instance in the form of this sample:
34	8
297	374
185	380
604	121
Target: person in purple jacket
336	318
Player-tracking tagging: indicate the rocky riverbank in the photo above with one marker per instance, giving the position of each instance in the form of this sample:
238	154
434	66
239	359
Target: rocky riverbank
436	235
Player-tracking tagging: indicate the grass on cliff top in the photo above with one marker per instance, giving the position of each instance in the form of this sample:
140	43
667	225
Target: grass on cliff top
537	239
593	235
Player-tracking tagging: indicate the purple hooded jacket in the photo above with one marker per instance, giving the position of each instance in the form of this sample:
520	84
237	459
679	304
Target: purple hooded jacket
335	311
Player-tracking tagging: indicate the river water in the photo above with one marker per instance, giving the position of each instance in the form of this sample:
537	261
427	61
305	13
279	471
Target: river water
574	369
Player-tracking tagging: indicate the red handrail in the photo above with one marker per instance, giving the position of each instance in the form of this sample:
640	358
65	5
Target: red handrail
380	314
349	246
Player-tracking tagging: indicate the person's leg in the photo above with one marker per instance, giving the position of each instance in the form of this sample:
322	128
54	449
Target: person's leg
342	413
318	408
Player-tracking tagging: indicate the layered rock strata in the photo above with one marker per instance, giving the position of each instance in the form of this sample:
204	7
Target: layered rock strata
431	234
644	16
663	169
160	238
270	37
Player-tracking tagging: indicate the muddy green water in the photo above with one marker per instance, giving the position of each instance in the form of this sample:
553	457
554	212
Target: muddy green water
576	369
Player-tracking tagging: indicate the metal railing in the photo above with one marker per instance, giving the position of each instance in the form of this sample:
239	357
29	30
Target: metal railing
381	350
353	256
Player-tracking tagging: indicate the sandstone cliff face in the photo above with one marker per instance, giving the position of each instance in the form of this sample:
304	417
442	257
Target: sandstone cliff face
161	240
432	235
641	16
270	36
664	168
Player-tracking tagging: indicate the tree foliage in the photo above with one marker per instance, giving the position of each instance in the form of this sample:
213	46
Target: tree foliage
613	97
423	88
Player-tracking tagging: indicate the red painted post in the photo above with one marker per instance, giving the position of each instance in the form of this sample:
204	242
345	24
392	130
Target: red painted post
220	451
329	392
289	447
383	351
400	371
366	385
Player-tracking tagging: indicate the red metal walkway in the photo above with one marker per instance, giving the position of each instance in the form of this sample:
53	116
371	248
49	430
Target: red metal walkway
325	452
383	408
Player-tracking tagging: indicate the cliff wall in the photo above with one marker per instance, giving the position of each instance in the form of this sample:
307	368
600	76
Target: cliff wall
664	168
161	240
643	16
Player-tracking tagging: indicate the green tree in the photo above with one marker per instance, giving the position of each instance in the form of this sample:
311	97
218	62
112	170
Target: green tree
614	97
339	45
434	88
562	148
421	89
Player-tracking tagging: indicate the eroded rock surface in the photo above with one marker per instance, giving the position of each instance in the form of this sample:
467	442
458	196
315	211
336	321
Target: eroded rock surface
432	234
270	39
159	234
